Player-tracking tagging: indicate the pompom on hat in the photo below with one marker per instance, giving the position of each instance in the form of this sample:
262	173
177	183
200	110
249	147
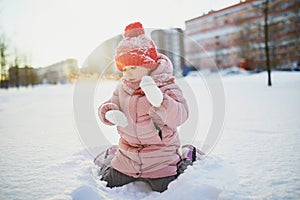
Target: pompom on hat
136	49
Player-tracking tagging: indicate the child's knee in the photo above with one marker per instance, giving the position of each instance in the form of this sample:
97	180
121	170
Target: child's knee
115	178
160	184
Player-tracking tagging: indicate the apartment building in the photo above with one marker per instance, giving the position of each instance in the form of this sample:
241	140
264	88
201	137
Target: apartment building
234	36
170	43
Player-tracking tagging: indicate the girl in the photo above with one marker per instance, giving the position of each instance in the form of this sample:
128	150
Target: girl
147	107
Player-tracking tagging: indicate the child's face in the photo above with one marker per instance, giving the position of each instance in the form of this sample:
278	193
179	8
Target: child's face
134	73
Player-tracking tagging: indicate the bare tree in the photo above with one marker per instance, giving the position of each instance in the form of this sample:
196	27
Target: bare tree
3	62
266	30
14	72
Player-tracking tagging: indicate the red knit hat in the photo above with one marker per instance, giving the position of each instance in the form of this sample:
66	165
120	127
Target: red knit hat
136	49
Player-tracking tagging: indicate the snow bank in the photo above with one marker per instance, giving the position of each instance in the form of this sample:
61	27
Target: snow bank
210	178
257	157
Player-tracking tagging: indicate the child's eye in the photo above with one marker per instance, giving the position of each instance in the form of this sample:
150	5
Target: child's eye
126	69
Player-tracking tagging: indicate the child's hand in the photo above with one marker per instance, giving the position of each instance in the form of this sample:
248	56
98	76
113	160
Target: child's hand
116	117
152	92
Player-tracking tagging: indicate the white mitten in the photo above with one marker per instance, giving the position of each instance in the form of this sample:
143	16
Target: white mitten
116	117
152	92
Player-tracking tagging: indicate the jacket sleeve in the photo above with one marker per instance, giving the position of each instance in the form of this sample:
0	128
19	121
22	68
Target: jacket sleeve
111	104
174	110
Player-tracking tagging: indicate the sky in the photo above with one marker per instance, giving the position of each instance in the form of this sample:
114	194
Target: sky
49	31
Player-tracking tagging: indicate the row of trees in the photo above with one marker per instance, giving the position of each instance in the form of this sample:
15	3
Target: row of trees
15	70
12	60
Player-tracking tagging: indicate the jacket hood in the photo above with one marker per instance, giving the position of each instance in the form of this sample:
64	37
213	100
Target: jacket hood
164	66
163	74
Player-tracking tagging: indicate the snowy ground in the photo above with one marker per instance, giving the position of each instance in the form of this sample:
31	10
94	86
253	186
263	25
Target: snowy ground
257	157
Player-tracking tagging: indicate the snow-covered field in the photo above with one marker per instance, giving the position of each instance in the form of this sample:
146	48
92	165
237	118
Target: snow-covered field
257	157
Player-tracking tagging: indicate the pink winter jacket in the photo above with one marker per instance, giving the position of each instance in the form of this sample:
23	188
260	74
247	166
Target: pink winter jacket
148	146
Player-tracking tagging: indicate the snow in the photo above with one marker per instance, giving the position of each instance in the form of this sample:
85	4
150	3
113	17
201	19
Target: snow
43	156
136	42
133	44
